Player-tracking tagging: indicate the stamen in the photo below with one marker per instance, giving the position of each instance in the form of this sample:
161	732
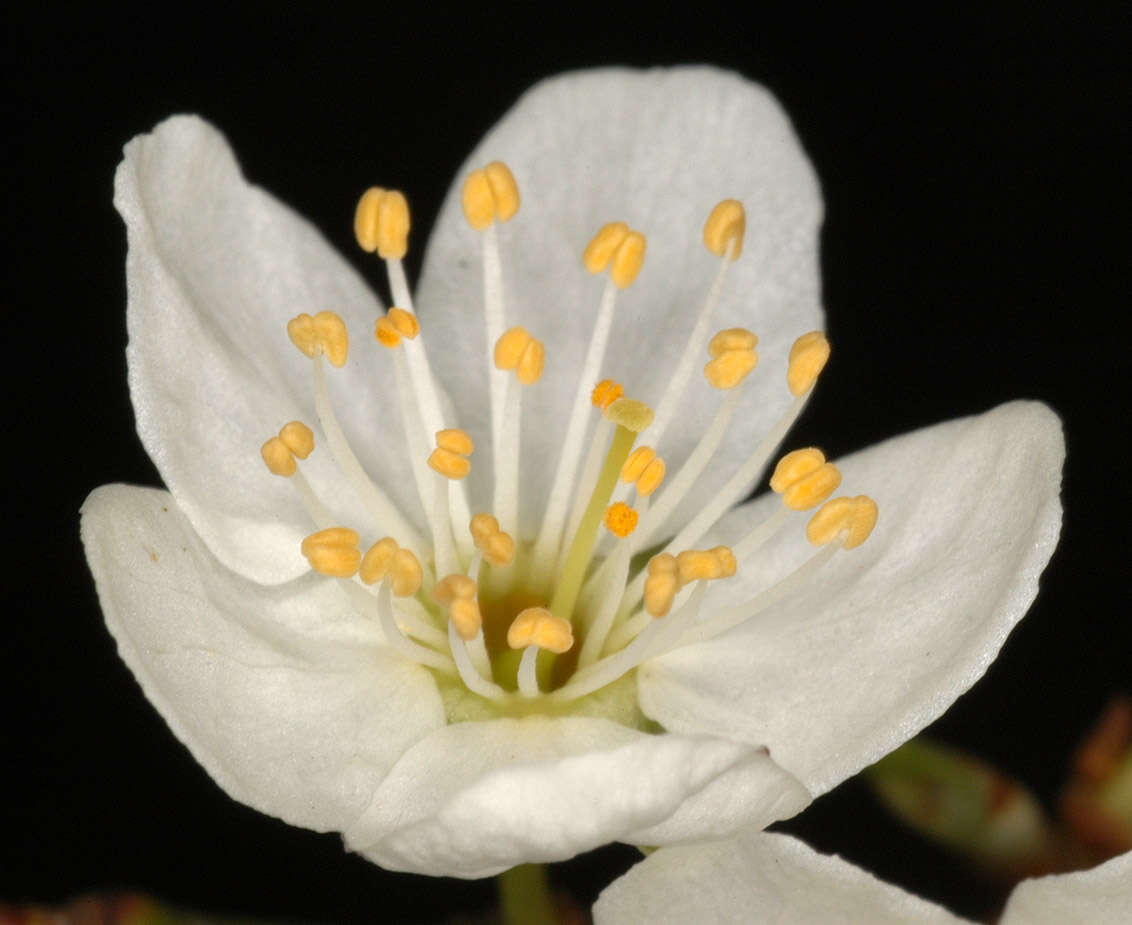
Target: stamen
479	199
645	469
449	460
470	674
334	345
847	521
453	446
497	547
385	559
457	592
605	593
398	323
722	225
606	393
533	629
515	350
693	466
724	229
733	357
423	655
605	246
804	479
619	249
333	552
381	223
808	357
490	195
629	651
736	487
324	334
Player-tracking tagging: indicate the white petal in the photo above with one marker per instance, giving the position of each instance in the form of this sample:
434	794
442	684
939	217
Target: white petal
657	149
888	635
756	877
477	798
1101	896
284	694
215	270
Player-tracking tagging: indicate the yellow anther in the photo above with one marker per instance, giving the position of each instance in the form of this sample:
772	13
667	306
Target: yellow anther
450	465
457	592
454	587
333	551
298	438
733	357
392	327
620	519
603	246
698	565
279	459
490	195
322	334
381	223
378	560
498	548
645	468
295	439
605	393
504	189
628	260
455	441
483	526
661	584
845	520
804	479
629	413
618	248
807	359
465	616
404	322
386	333
724	229
636	464
537	626
407	573
517	350
732	339
450	456
727	561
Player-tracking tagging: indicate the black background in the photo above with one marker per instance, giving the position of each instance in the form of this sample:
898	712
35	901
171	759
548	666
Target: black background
976	212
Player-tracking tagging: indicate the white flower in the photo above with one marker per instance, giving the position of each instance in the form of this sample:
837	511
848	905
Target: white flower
307	697
764	877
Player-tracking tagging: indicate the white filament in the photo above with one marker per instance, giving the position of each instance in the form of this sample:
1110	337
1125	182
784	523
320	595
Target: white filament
546	545
528	676
315	508
692	469
376	501
470	674
506	497
683	374
394	637
731	617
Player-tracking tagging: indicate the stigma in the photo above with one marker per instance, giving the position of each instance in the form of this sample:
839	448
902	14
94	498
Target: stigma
539	622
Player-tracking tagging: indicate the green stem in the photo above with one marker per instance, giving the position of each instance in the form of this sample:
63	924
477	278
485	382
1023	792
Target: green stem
524	896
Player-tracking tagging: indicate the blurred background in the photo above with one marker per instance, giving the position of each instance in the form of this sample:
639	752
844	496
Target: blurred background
972	166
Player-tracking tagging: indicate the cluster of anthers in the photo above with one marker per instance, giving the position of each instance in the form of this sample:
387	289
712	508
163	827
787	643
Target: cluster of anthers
531	622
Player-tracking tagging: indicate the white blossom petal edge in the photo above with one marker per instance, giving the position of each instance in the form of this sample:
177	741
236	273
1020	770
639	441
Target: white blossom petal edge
370	703
764	877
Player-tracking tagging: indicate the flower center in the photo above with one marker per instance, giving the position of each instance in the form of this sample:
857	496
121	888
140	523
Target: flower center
543	623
